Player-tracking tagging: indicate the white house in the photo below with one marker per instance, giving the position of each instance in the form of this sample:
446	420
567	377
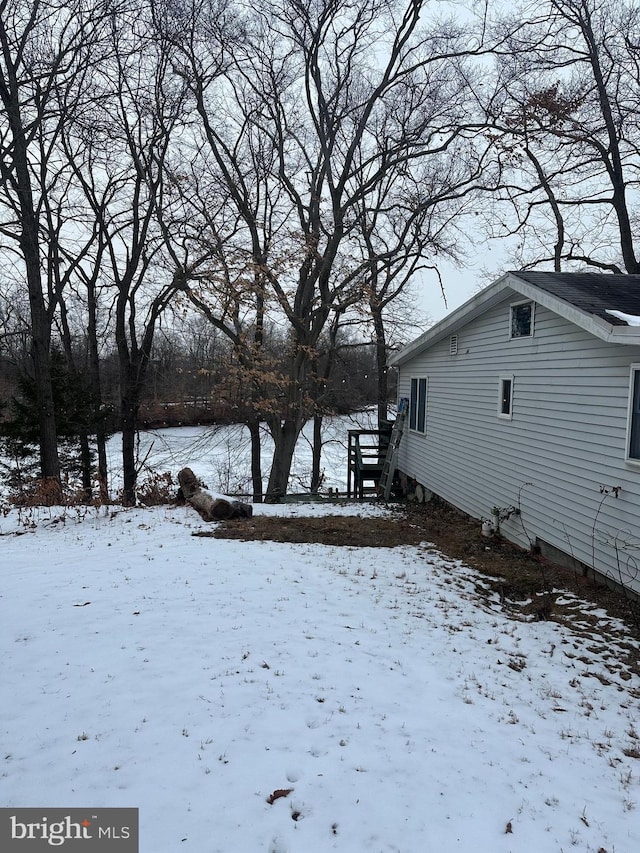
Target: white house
525	413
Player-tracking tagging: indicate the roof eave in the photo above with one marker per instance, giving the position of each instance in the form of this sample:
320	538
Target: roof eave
625	335
589	322
596	326
492	294
464	314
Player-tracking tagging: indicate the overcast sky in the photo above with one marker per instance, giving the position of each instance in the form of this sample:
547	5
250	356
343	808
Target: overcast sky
484	265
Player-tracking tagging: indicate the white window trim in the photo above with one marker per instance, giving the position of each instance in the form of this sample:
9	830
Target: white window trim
501	379
533	318
415	430
631	460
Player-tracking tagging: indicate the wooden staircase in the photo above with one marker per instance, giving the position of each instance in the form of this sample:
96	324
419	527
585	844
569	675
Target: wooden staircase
372	458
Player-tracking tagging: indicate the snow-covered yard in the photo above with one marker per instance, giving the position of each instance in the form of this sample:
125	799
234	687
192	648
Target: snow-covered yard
221	455
194	677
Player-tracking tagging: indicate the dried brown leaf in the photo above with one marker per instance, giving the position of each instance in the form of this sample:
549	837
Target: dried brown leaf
277	794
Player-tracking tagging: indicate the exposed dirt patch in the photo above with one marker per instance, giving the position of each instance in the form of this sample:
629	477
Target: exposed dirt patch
353	531
524	581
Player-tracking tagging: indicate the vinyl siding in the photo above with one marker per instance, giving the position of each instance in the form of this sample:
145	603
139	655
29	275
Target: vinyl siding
565	441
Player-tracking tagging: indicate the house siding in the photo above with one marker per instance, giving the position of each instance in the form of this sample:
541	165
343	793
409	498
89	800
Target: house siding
566	439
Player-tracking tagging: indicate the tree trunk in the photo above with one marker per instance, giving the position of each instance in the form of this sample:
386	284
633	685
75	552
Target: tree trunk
256	460
285	430
285	436
316	458
381	363
210	508
555	209
129	414
133	373
49	462
40	353
15	149
94	373
85	461
103	484
614	158
133	361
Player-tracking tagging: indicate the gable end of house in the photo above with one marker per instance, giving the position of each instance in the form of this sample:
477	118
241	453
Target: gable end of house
528	396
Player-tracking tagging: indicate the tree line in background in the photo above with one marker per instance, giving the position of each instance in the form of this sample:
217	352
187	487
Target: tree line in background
248	192
192	379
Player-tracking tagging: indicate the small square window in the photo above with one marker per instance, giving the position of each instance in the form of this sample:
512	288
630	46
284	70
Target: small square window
505	397
521	320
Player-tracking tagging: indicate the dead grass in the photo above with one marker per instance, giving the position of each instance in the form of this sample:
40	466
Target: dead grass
526	583
347	531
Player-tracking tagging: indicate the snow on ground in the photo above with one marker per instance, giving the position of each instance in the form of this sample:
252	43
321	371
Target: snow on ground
220	455
194	677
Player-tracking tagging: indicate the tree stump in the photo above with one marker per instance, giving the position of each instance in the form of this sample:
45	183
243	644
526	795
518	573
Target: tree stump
210	508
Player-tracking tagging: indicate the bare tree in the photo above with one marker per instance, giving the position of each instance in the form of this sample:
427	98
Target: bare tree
118	150
411	224
305	113
568	125
44	46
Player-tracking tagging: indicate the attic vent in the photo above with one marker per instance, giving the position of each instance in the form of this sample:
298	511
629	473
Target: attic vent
453	345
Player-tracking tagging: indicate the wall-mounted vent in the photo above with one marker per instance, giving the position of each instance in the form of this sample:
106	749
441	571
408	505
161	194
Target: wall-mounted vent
453	345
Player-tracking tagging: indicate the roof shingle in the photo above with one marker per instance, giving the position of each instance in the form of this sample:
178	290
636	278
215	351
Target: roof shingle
593	293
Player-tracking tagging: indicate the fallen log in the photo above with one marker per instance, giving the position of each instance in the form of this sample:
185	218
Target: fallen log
210	508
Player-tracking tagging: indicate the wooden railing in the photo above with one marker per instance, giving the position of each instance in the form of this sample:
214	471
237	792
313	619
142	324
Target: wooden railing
366	453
